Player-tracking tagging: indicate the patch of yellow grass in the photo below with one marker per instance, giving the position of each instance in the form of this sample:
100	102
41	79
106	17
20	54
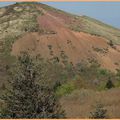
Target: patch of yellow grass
80	103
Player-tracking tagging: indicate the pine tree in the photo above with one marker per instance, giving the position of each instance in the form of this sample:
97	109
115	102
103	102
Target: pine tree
29	96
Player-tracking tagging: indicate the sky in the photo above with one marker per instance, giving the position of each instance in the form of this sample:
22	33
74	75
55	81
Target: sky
107	12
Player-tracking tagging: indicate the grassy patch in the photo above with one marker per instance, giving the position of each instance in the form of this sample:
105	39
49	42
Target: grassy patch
8	41
65	89
30	25
102	86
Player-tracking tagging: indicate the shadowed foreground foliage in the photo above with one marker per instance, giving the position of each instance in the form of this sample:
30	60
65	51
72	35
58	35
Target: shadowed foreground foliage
28	95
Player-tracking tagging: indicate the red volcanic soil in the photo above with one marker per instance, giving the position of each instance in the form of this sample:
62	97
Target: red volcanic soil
76	45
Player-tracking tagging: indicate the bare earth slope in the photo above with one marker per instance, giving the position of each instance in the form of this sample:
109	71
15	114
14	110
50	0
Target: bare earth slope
76	45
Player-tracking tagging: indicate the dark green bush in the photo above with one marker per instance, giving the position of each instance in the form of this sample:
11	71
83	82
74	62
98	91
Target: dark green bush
109	84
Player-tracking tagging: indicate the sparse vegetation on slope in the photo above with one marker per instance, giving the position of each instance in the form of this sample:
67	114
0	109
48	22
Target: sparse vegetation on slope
15	21
67	60
95	27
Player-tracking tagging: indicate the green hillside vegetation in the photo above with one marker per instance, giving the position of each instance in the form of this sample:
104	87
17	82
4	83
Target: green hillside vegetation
52	76
15	21
95	27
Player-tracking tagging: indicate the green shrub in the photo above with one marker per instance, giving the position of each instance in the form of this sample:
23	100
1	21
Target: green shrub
65	89
102	72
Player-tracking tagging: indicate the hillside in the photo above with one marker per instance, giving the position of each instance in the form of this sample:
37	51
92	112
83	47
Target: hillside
35	26
63	37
